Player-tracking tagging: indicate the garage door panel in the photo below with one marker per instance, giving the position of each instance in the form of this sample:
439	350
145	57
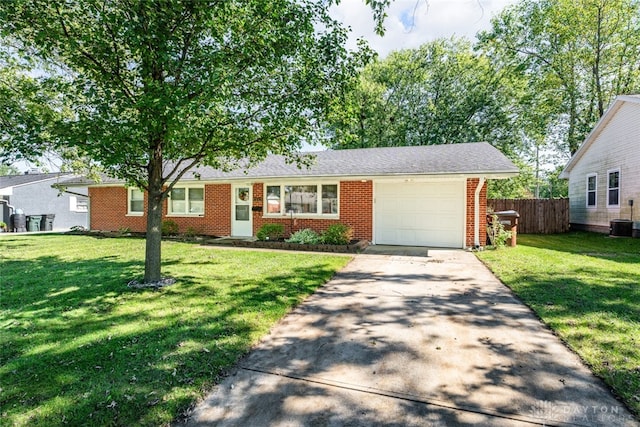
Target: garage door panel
427	214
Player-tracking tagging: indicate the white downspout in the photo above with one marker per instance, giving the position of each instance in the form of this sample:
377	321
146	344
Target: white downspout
476	213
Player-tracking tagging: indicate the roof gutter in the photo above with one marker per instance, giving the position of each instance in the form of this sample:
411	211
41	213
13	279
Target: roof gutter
476	213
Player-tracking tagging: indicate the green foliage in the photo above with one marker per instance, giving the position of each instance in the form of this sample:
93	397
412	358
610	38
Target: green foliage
553	186
3	225
191	232
123	231
584	286
170	228
337	234
439	93
270	232
8	170
519	187
575	58
305	237
151	89
80	348
498	236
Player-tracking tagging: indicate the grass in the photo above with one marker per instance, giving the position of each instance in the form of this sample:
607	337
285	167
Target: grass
586	287
78	347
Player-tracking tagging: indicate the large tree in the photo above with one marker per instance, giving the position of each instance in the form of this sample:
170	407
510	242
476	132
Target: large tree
440	93
151	89
576	56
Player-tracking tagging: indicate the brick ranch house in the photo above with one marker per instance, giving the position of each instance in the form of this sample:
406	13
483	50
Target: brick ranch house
424	196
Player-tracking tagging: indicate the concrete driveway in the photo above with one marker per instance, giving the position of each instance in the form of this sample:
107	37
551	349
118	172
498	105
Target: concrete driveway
411	340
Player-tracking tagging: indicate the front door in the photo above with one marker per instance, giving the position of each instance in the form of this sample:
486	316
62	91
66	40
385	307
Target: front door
241	225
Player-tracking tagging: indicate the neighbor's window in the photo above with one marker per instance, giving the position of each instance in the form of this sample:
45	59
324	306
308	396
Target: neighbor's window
314	199
186	201
613	188
78	204
591	190
136	201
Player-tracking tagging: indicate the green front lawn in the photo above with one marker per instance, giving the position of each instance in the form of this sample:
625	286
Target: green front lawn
586	287
78	347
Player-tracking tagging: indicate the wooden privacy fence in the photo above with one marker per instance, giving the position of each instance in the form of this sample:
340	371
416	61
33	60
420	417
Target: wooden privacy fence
537	216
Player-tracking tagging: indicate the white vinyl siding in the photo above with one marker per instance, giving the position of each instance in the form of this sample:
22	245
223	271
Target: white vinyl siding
615	147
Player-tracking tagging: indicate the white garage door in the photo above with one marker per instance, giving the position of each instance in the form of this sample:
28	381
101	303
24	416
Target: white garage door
420	214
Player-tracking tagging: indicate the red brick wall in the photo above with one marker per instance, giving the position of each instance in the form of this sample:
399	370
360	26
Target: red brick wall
356	210
109	211
356	207
472	184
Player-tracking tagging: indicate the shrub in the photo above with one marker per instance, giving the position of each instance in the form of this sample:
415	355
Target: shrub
305	237
169	228
191	232
337	234
498	236
270	232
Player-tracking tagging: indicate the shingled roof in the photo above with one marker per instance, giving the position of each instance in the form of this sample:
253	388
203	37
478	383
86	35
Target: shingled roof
7	181
453	159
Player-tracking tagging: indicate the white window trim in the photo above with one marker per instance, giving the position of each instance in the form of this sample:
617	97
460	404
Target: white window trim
285	214
170	212
129	211
617	205
586	202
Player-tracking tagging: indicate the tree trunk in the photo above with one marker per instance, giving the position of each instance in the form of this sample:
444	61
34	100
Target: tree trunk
152	259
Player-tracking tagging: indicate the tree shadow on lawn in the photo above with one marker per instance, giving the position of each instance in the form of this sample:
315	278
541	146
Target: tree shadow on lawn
79	347
600	320
360	353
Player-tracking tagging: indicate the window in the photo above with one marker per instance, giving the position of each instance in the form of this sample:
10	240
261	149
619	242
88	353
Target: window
273	199
136	201
591	190
78	204
186	201
329	199
613	188
302	199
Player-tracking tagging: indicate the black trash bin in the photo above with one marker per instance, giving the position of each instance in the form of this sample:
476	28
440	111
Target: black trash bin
33	222
18	223
46	224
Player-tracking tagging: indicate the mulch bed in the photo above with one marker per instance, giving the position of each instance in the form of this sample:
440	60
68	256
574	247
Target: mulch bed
355	246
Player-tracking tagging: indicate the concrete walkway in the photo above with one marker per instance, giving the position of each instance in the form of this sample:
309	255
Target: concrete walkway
411	340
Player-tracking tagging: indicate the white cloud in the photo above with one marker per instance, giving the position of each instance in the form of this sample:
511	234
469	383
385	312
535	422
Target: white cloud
411	23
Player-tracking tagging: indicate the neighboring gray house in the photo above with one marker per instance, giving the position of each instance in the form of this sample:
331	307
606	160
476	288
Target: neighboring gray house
34	194
604	173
